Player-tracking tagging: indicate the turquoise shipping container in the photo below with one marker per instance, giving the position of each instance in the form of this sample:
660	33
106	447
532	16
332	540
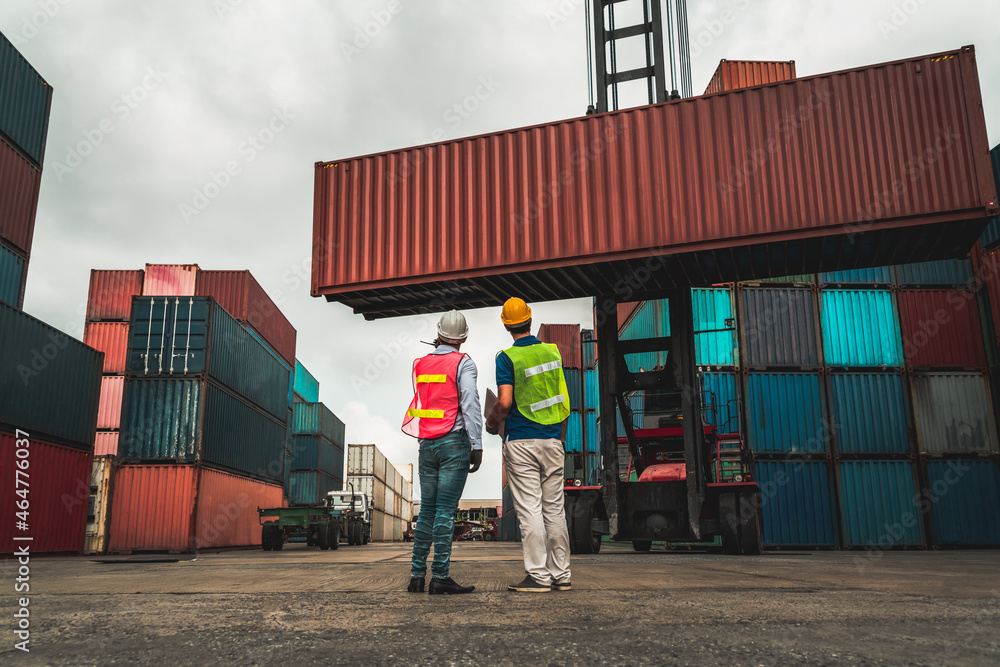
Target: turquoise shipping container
720	401
950	272
870	413
860	329
317	419
589	348
314	452
311	487
277	357
712	308
574	382
194	336
591	434
306	386
785	411
878	503
591	395
990	237
197	420
798	279
879	275
25	100
12	273
779	327
965	502
651	320
795	503
574	432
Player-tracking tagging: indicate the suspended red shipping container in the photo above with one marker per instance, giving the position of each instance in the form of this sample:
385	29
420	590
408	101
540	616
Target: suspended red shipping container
941	329
58	490
185	507
109	413
170	280
111	338
567	338
106	443
243	298
111	293
735	74
19	184
820	173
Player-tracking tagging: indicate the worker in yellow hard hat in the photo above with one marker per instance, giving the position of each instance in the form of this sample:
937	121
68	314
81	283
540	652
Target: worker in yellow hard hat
534	402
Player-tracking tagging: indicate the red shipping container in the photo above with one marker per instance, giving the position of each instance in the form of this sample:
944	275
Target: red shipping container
111	338
243	298
170	280
736	74
58	492
109	413
111	293
19	184
941	329
106	443
185	507
789	178
567	339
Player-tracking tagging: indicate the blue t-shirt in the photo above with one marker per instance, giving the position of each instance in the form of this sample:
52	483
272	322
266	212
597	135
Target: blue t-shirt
518	426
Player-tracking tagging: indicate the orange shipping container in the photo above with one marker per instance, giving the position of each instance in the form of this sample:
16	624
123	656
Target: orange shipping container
109	413
170	280
106	443
111	338
734	74
111	292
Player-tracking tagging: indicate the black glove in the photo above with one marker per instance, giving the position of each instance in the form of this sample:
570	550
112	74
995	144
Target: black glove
475	460
493	430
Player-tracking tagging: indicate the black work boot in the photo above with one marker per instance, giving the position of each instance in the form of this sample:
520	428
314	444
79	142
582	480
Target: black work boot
448	587
416	585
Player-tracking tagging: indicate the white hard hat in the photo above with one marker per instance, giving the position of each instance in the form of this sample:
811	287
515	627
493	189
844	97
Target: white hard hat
452	326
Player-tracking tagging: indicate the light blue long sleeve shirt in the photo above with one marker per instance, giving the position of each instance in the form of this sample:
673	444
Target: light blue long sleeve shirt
470	417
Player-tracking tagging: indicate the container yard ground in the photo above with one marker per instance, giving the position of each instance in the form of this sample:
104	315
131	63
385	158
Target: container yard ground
347	606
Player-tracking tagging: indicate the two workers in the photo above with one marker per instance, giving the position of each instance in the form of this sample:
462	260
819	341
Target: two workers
446	418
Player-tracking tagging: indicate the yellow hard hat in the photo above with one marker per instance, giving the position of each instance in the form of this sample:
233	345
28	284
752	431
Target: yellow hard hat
515	312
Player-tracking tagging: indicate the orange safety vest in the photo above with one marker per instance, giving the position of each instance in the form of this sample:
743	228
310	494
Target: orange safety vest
434	408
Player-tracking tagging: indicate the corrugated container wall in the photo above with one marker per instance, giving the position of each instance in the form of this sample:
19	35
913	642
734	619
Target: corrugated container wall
574	382
713	308
170	280
19	185
111	338
779	327
878	504
59	486
365	460
243	298
721	395
736	74
111	292
795	503
870	413
567	338
951	272
306	386
312	452
13	270
651	320
879	275
54	380
953	413
860	328
310	487
941	329
991	236
106	443
109	412
379	219
25	99
317	419
95	539
785	411
965	502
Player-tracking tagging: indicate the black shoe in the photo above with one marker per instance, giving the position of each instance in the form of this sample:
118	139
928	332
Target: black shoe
529	585
448	587
561	585
416	585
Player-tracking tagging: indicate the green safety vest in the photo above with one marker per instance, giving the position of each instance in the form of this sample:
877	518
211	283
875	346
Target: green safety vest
539	384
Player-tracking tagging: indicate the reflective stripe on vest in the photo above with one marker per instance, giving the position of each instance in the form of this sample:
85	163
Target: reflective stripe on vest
435	405
540	390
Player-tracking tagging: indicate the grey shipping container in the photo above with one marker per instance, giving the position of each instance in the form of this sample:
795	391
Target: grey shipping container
779	327
25	100
317	419
194	336
50	383
196	420
13	268
953	413
313	452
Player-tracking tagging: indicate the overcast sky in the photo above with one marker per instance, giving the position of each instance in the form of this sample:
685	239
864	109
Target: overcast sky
164	95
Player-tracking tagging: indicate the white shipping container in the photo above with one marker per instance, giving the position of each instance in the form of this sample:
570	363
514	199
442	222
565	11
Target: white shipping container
375	489
397	508
96	533
405	470
378	526
407	491
360	460
390	503
397	530
387	530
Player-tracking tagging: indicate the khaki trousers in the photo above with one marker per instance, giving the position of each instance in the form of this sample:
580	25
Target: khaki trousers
535	474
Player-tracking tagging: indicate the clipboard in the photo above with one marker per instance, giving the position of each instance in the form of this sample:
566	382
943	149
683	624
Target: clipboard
491	400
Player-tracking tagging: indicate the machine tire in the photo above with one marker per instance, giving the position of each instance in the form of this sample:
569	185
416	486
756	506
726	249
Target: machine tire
267	536
749	524
359	533
334	535
728	523
570	508
581	536
365	535
487	537
642	546
279	539
350	533
323	535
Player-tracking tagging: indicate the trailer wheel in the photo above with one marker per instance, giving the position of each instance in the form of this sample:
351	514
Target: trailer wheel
581	536
359	533
570	508
267	535
279	539
350	533
749	524
642	545
365	535
334	535
323	535
729	524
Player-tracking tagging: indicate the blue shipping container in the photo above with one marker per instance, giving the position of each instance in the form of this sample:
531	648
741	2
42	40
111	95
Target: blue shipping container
880	275
879	504
785	411
589	348
306	385
860	328
574	432
277	357
194	336
25	99
311	487
943	272
313	452
712	307
651	320
591	394
779	327
795	503
870	413
317	419
990	237
965	502
720	400
591	434
574	382
12	268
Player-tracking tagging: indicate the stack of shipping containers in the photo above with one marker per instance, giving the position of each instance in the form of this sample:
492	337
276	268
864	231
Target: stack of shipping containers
49	411
368	471
317	454
405	471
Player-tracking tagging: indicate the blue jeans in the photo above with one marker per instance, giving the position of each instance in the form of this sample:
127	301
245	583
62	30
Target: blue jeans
443	468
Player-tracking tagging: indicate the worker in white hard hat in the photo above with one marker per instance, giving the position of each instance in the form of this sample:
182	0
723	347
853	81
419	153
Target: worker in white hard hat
447	420
533	403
